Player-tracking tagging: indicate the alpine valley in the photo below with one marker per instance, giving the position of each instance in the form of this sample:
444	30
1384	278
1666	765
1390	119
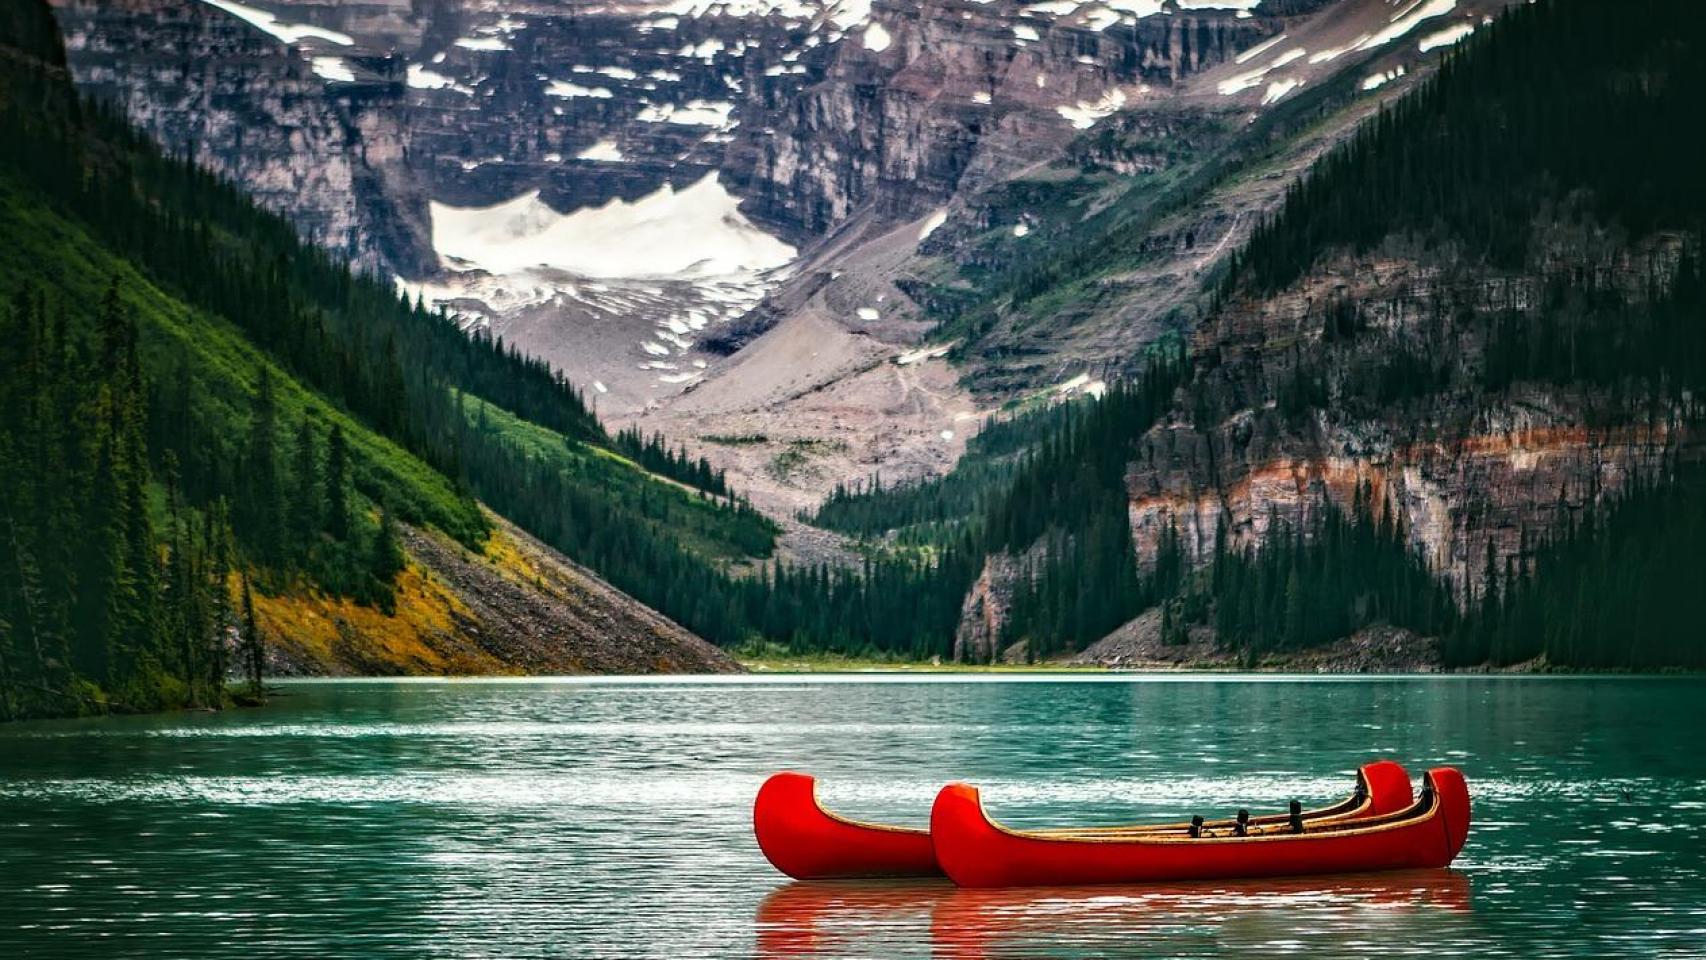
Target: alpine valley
472	336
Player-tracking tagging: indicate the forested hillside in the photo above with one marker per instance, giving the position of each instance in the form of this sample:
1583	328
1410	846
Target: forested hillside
1554	152
201	409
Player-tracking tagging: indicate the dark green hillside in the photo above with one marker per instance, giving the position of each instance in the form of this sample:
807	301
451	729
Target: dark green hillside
193	396
1561	109
1567	119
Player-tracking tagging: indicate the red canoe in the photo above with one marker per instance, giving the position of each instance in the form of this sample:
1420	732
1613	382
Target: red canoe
975	851
808	842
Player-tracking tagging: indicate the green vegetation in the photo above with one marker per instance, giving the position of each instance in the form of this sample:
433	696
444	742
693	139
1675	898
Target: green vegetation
939	509
654	455
1618	592
1112	220
272	415
91	613
1303	588
1565	115
1554	104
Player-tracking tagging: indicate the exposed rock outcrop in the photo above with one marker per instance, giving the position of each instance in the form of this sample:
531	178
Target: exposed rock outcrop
983	616
1460	466
516	607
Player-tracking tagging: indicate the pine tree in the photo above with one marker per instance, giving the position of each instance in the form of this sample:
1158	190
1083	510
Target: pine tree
254	647
306	492
263	502
385	558
337	485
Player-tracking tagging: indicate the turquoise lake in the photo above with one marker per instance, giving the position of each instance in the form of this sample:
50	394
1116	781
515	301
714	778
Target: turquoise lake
600	818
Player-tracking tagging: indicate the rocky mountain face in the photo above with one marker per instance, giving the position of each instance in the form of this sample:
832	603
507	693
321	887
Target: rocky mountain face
485	152
816	240
1463	468
208	85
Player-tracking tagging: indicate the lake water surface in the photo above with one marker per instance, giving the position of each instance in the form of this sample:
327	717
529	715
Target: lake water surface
595	818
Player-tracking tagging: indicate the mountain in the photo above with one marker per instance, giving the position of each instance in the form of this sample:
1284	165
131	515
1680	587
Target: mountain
1267	322
216	435
1449	385
636	193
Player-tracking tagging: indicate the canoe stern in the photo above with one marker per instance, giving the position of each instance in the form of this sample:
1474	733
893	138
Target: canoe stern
805	841
1388	786
1453	793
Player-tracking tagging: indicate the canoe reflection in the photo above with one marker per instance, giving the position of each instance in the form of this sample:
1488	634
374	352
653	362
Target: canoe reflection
820	919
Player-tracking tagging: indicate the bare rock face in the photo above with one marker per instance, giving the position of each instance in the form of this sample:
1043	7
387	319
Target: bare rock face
537	611
215	89
1459	467
1138	645
367	121
983	616
937	97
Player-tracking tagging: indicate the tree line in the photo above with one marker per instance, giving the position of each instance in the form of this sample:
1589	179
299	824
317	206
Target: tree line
1556	110
113	590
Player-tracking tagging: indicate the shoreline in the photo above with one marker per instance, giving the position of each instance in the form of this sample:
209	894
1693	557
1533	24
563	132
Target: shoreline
806	666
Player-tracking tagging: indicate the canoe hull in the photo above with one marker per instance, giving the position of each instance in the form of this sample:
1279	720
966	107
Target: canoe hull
805	841
975	851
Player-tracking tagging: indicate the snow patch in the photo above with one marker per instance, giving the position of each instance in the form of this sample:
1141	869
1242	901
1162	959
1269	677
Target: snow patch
868	313
331	68
923	353
421	78
695	113
1025	31
936	220
1100	19
481	43
604	151
1406	20
270	24
566	90
1333	53
1137	8
1084	115
850	13
1376	80
1446	37
1021	229
600	387
1258	49
695	232
1278	89
876	38
1073	384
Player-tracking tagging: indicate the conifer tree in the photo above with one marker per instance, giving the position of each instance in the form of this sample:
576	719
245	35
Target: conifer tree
254	647
337	485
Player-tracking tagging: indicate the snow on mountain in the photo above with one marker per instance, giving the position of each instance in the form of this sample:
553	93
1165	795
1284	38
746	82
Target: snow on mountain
693	233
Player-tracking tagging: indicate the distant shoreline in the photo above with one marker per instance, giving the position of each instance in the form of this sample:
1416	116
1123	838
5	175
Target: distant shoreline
844	665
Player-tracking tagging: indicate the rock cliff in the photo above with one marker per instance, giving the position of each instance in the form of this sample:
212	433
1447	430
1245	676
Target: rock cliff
1461	466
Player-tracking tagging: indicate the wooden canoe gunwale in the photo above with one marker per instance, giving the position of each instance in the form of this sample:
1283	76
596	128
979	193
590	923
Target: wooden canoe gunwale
1349	808
1352	807
1423	809
860	824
